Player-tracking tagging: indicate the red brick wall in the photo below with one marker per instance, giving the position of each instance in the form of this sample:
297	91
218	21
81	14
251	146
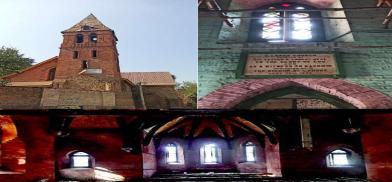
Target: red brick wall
107	56
377	147
35	73
13	156
39	149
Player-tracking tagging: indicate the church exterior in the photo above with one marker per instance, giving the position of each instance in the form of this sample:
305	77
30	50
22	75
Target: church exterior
86	75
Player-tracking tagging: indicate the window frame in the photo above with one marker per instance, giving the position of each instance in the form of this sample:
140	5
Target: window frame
94	54
167	154
256	26
85	64
218	154
246	145
75	55
330	158
79	38
81	154
93	38
51	74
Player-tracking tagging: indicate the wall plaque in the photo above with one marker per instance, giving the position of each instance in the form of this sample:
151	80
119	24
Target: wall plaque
290	64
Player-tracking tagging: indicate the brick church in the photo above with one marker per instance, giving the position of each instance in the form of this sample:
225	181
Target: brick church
86	75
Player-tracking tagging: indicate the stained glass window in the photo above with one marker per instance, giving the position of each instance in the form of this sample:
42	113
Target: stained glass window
286	22
272	28
302	26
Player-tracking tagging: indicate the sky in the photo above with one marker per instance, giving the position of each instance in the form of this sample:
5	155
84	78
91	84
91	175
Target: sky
154	35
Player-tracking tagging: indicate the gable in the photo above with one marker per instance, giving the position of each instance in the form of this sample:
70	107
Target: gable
35	73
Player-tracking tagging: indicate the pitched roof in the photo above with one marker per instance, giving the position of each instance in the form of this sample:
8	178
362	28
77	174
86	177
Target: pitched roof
91	21
29	68
149	78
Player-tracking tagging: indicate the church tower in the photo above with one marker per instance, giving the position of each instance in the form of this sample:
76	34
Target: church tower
89	47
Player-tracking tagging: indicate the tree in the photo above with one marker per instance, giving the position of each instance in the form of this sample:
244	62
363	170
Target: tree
12	61
188	92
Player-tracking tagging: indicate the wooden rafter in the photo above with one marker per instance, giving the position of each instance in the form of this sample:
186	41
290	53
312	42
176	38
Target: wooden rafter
208	124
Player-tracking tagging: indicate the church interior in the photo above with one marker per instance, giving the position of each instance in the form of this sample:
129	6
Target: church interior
124	145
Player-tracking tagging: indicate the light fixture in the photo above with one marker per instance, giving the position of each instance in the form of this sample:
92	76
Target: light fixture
351	129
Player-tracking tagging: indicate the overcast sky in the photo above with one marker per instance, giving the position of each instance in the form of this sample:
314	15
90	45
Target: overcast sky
154	35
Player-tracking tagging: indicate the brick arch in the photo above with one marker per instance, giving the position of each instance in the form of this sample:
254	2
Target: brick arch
230	95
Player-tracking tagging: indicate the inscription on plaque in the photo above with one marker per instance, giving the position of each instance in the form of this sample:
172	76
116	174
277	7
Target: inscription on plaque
290	64
313	104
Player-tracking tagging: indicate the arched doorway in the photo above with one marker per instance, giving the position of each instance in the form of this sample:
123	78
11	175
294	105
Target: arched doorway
340	93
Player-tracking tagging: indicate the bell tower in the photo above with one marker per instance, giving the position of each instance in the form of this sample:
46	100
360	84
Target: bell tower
89	47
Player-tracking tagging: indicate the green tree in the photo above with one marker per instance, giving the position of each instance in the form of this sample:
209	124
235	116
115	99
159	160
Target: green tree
188	92
12	61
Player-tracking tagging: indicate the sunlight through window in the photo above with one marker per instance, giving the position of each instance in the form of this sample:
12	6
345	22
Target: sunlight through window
250	152
282	24
171	153
80	159
210	154
338	158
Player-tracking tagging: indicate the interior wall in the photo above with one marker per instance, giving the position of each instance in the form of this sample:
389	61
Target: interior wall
232	153
377	142
39	146
149	160
243	166
104	145
327	135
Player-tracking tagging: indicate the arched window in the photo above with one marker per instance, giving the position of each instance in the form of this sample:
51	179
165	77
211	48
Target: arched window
93	38
250	152
210	154
79	38
286	22
80	160
51	74
338	158
171	153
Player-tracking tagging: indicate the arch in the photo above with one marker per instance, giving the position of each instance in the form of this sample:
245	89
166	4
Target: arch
339	157
79	159
51	74
232	94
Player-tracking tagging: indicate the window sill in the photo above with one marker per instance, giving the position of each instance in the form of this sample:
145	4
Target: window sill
210	163
174	163
348	166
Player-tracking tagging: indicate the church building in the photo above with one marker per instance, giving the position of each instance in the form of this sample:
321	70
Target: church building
86	75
